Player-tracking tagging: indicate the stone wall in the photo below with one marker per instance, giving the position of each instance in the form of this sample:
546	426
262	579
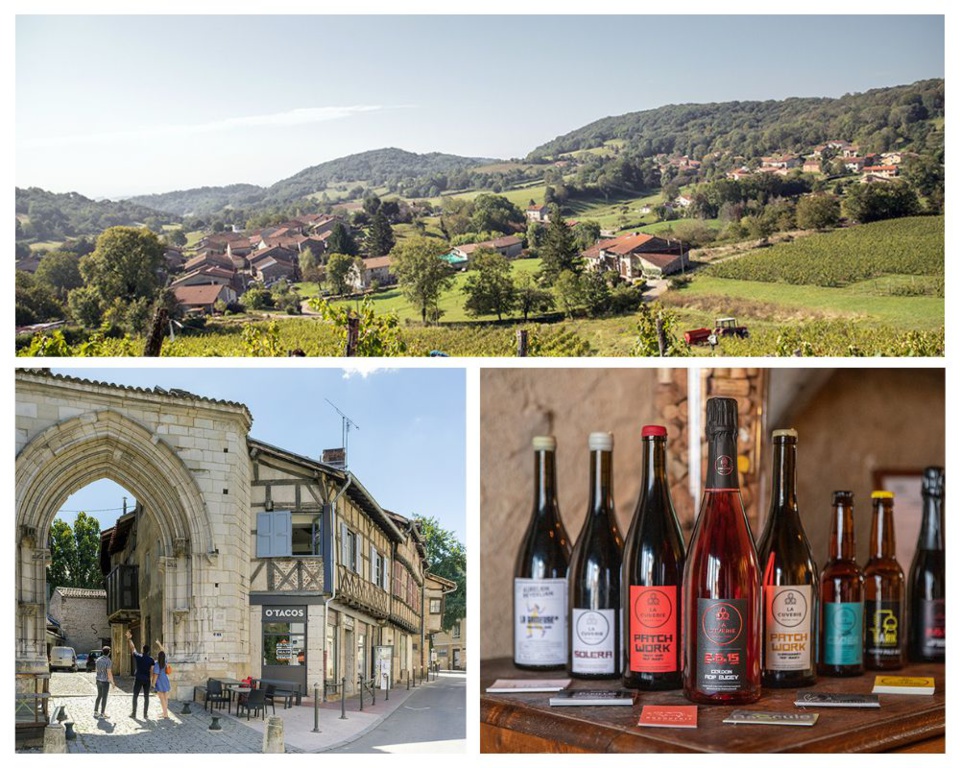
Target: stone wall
82	615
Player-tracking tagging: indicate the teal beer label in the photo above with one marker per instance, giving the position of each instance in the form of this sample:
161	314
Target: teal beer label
843	633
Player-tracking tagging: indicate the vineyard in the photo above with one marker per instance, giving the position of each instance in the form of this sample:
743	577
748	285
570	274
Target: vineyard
911	247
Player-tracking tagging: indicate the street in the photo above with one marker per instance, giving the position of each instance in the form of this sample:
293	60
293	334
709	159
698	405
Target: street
432	719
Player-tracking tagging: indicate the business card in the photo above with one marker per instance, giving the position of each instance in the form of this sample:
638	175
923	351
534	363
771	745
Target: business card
811	699
745	716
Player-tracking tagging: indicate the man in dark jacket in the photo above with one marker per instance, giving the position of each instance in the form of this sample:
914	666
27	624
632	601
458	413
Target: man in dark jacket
142	678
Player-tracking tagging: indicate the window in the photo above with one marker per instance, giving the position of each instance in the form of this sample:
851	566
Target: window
378	568
307	535
330	673
455	632
284	643
274	534
350	549
435	605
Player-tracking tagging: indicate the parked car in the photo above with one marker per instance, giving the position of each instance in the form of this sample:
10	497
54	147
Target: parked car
92	657
63	657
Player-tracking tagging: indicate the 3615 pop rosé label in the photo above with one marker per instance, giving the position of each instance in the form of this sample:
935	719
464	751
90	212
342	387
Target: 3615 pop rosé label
722	663
654	629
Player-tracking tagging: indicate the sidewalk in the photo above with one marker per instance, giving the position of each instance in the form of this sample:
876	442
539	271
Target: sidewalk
189	733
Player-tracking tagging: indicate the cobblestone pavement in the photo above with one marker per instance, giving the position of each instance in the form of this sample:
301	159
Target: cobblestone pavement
180	733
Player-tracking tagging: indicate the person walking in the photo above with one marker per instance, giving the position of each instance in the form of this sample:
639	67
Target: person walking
104	670
160	678
141	682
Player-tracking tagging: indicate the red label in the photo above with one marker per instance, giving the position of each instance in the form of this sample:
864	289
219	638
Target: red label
654	629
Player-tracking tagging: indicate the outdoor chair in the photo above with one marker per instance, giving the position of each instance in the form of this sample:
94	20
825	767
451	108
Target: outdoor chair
253	701
269	696
216	695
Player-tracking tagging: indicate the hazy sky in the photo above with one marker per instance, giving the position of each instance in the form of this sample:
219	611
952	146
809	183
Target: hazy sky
408	449
118	105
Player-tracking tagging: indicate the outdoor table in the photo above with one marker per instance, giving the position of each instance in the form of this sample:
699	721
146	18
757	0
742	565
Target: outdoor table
525	722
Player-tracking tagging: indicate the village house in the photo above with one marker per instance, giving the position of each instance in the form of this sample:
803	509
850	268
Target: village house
203	298
539	213
635	256
375	269
81	615
811	165
883	171
268	270
509	246
450	648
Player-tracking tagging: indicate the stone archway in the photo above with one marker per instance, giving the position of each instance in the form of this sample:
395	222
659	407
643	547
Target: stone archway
74	453
185	458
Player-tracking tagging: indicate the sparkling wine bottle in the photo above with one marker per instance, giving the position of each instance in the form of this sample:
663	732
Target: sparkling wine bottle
841	596
594	575
540	576
883	591
721	579
791	589
927	583
652	577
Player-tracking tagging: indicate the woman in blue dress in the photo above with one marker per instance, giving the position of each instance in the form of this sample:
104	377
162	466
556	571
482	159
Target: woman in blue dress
161	680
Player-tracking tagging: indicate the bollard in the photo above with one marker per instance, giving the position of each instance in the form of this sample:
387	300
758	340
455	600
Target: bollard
386	687
55	739
273	735
316	707
361	692
408	680
215	724
71	734
343	698
186	709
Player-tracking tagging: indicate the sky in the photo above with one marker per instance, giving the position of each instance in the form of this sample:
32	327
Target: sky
110	105
407	448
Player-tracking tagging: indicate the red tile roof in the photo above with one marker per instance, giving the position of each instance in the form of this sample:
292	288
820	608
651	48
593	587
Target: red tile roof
198	295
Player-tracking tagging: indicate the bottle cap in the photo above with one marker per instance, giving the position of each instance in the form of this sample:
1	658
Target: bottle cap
601	441
544	443
842	497
721	415
787	433
881	495
653	430
933	481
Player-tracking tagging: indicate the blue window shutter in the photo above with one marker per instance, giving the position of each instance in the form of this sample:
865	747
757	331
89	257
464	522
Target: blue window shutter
282	534
264	534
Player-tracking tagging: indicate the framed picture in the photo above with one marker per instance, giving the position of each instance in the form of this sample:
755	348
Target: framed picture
906	486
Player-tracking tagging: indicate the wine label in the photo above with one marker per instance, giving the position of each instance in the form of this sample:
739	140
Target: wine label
722	663
843	633
540	621
883	619
594	642
654	629
786	628
933	619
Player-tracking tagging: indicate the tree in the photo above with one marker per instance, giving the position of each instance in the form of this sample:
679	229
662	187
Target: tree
559	251
380	238
309	269
85	306
126	264
489	286
446	557
177	237
338	271
874	202
422	274
75	554
818	212
569	291
530	296
340	240
60	271
35	302
495	213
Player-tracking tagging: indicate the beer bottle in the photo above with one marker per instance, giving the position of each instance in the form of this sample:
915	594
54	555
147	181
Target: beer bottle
883	591
841	596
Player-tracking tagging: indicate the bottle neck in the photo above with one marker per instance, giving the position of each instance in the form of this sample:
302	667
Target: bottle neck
722	462
654	463
783	498
601	482
931	536
545	488
843	542
882	540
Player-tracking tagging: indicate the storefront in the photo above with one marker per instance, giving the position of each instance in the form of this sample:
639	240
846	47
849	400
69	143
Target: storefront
284	634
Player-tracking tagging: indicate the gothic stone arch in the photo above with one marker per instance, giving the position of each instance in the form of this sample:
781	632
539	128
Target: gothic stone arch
162	448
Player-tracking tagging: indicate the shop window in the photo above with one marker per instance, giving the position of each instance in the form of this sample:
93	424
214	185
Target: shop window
284	644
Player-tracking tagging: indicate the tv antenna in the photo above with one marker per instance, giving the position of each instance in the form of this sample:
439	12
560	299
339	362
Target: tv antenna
346	425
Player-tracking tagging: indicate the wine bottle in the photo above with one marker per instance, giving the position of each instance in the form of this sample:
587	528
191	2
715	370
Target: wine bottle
540	576
721	579
594	575
883	587
841	596
927	583
652	577
791	589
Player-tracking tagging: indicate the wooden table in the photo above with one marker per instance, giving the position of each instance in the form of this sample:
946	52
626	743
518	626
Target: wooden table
518	722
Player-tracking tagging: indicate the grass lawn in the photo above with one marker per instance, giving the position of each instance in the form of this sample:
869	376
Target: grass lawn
900	312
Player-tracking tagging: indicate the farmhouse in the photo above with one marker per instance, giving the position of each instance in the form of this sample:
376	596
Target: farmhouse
637	255
202	298
538	213
374	269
